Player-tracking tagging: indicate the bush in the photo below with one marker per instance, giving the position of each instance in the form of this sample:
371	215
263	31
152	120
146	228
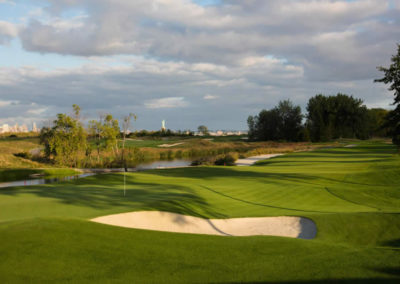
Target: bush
227	160
205	161
25	155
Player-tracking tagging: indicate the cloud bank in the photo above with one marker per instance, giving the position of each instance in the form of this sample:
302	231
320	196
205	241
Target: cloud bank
194	64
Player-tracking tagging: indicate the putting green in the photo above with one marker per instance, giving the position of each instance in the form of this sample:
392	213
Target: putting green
352	194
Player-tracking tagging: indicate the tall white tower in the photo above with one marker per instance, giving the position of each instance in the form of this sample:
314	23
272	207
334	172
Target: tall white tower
34	128
163	125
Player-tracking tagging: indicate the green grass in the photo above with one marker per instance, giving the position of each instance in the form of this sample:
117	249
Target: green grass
353	195
7	175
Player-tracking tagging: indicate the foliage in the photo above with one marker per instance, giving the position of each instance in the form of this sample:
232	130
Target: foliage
340	116
377	122
105	132
226	160
125	128
392	77
280	123
203	129
66	140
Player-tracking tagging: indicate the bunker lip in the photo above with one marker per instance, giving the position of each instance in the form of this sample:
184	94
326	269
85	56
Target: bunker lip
283	226
252	160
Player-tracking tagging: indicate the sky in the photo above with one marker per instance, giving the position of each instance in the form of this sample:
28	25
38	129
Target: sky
190	63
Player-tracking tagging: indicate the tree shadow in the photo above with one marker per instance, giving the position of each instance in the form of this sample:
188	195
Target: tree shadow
392	243
327	280
260	204
221	172
106	192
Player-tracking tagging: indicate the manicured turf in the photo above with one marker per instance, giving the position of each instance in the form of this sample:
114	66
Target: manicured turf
353	194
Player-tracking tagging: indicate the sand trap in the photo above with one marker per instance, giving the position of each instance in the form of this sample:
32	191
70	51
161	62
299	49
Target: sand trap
251	160
293	227
350	146
170	145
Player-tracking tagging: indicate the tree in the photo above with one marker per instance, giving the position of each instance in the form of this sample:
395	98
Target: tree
377	122
280	123
392	77
203	129
110	131
66	140
290	120
125	127
340	116
105	132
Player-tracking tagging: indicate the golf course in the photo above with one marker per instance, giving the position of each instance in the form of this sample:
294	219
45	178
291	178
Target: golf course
352	194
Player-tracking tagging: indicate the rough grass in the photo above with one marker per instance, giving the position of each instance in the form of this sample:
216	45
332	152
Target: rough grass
11	146
351	193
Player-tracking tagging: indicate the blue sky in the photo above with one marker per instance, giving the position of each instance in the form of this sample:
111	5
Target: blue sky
201	62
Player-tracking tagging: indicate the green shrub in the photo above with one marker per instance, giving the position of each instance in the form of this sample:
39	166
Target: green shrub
226	160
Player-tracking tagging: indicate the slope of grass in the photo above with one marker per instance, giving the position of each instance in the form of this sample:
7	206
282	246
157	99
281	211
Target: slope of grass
11	146
351	193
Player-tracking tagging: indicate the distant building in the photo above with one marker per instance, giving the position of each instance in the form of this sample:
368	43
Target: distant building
34	127
163	125
5	128
223	133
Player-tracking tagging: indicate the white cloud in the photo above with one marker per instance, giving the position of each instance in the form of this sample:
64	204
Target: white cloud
321	36
7	103
172	102
210	97
8	2
7	31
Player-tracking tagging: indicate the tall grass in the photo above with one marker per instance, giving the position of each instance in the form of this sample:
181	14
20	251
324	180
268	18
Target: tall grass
192	149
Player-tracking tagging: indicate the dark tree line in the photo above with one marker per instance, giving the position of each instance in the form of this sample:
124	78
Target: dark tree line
328	117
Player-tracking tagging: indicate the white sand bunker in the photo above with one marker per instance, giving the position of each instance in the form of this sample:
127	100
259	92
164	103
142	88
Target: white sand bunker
293	227
251	160
170	145
350	146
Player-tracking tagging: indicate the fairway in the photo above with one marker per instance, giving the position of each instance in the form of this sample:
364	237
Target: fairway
352	194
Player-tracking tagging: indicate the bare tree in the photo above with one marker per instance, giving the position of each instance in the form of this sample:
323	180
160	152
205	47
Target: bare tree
125	127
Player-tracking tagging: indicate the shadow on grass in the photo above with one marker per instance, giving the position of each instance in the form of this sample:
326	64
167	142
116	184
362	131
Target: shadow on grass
393	243
323	281
106	191
260	204
217	172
